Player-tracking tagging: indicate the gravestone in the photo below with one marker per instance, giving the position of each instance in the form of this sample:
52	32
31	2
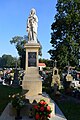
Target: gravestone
16	80
69	77
55	78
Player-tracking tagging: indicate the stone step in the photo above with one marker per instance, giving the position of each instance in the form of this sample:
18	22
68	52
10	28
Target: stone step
32	75
32	70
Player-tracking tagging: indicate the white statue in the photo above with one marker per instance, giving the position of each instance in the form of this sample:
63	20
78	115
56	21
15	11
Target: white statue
32	25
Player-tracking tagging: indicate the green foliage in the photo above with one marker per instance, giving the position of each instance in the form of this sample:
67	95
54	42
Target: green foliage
5	91
8	61
70	109
65	36
19	43
18	101
46	61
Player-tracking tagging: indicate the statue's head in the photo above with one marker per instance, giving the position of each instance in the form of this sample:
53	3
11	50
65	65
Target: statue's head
33	11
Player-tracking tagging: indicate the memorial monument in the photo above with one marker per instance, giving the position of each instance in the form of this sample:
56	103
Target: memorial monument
32	81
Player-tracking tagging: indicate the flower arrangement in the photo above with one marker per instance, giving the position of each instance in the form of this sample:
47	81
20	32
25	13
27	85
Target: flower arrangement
42	111
17	101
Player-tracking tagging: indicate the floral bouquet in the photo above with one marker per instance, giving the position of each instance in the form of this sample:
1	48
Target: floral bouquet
17	101
42	111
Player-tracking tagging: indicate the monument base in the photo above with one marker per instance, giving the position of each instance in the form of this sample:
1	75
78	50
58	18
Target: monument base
31	87
32	83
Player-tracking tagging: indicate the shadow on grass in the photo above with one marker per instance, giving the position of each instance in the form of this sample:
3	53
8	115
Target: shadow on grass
69	107
5	91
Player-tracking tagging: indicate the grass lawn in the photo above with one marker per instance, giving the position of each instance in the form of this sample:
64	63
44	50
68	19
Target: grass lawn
70	109
5	91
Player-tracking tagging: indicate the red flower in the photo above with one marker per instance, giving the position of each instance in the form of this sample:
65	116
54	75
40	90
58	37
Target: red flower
48	108
42	102
42	109
37	116
36	107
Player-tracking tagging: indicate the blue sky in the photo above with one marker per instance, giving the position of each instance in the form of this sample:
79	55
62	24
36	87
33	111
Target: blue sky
13	18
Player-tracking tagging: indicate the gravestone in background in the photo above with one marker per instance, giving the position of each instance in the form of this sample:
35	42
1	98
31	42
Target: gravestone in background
16	80
56	76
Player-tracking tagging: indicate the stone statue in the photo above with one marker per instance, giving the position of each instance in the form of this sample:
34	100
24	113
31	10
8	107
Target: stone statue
32	25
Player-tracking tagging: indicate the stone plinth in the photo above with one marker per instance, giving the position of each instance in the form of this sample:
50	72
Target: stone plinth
32	87
32	83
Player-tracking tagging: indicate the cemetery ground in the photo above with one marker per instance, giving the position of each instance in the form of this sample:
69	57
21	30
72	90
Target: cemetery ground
69	106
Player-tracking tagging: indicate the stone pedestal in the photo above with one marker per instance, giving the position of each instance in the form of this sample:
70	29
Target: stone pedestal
32	83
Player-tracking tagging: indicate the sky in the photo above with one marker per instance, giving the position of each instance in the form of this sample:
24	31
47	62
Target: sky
13	22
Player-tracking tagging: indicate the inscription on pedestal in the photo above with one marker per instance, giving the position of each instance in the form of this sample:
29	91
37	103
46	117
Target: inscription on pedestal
31	59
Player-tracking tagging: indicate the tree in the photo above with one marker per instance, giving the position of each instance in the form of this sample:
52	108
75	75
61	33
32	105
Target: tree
65	36
8	61
19	42
46	61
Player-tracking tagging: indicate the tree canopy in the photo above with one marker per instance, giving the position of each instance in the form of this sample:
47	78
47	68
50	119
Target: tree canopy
7	61
65	36
19	42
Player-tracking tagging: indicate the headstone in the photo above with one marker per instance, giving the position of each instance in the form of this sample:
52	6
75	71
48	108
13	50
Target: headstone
16	80
69	77
55	78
